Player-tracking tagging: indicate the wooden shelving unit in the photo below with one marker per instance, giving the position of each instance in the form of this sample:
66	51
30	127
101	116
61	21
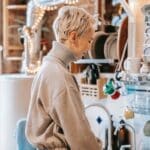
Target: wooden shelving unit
15	7
14	17
14	58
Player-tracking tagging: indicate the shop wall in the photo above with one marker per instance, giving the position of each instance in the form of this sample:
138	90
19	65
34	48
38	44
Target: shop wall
1	22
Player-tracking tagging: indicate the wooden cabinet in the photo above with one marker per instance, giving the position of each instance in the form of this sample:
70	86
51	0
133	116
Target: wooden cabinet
14	18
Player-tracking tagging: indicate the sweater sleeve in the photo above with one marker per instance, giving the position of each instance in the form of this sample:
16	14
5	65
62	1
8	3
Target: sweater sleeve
70	112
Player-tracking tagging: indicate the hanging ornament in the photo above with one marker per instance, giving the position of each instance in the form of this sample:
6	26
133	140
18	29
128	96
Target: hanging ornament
115	95
128	113
110	88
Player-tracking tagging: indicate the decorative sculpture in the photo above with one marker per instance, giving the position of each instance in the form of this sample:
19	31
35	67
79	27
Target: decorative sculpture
32	31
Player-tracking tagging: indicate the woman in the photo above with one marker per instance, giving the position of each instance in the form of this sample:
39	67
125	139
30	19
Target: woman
56	118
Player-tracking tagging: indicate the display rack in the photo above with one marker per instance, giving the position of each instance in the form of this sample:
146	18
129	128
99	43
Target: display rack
146	13
96	61
140	93
14	17
95	90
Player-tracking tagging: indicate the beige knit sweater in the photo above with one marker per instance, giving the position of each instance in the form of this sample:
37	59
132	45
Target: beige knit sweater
56	118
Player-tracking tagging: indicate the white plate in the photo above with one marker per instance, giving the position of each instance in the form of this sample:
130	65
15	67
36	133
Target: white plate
110	47
147	51
97	46
147	41
147	30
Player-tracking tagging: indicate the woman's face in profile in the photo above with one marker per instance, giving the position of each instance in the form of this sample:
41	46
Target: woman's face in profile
83	43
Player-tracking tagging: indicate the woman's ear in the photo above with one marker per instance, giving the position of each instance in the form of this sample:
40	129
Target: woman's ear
72	36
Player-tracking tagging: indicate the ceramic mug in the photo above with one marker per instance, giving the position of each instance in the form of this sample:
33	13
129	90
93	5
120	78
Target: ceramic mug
132	64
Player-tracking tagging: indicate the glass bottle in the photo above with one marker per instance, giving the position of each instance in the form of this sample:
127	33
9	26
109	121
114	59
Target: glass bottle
123	136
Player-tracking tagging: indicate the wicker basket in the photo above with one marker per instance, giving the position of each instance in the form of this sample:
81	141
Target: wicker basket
93	91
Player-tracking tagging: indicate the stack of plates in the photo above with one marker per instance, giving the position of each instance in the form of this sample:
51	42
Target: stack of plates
97	47
104	46
147	51
110	47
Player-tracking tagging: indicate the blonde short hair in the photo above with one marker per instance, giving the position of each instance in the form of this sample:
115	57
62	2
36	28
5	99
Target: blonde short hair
71	18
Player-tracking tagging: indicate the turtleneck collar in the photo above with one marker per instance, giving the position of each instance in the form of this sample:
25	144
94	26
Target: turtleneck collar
62	53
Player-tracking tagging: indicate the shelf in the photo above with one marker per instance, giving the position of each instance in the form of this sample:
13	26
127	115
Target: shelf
96	61
137	86
106	75
14	7
133	88
14	58
15	48
14	17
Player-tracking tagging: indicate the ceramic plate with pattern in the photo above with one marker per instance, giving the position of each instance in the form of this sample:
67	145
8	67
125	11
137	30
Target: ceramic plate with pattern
147	51
97	46
147	30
